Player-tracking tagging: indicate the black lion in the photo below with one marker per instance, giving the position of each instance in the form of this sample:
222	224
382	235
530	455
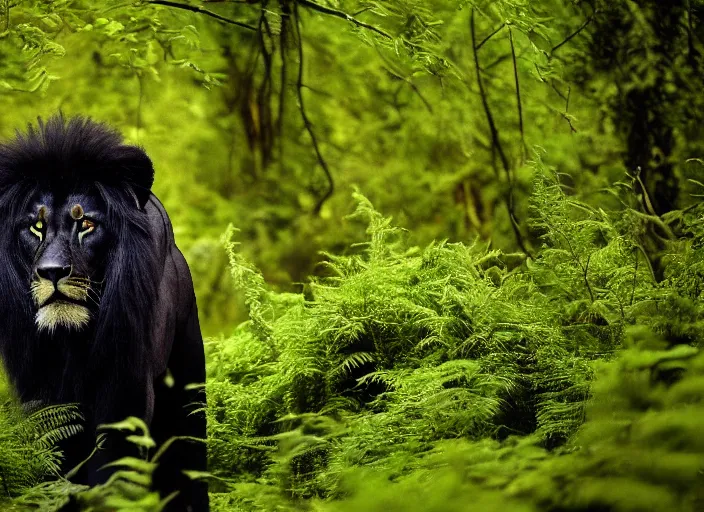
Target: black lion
98	305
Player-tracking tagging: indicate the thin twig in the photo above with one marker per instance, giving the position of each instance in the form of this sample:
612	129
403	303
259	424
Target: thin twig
415	89
304	116
586	280
648	205
559	93
343	15
646	258
567	104
585	269
635	275
264	92
363	11
518	97
398	75
490	36
496	61
283	43
572	35
200	10
489	117
496	142
569	122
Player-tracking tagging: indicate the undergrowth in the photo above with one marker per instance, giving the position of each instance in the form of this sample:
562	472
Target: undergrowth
422	379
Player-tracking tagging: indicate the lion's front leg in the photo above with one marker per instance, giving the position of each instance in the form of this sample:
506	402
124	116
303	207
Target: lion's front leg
179	416
135	398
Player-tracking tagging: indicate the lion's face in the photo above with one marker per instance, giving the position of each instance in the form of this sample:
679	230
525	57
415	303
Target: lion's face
67	243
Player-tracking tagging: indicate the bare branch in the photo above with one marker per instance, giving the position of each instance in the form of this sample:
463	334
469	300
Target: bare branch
572	35
343	15
399	75
567	104
496	61
412	86
264	91
283	43
490	36
304	116
489	117
518	95
496	143
558	91
200	10
569	122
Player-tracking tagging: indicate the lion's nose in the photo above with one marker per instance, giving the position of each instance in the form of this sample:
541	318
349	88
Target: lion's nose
53	273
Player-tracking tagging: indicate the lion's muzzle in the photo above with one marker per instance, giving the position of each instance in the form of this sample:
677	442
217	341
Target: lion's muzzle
62	304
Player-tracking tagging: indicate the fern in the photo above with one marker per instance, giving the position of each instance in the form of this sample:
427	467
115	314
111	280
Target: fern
399	352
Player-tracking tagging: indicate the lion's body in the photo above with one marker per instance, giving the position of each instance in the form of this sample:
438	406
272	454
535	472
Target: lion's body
121	338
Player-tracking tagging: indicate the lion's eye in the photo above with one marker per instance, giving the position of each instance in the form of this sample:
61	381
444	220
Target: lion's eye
86	227
38	229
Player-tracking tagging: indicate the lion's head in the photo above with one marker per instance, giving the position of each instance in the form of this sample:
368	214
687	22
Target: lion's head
67	242
77	241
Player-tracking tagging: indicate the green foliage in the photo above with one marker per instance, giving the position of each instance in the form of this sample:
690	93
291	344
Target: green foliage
471	350
127	489
28	452
244	152
638	450
400	350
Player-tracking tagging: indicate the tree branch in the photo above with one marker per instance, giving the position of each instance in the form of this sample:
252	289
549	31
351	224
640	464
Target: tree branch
412	86
490	36
389	69
200	10
572	35
518	95
283	43
496	142
304	116
342	15
264	91
485	104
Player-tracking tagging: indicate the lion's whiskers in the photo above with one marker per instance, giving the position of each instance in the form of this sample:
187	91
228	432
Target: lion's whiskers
77	288
82	281
95	299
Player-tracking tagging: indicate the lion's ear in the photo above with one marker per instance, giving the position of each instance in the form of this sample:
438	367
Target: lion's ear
137	170
142	195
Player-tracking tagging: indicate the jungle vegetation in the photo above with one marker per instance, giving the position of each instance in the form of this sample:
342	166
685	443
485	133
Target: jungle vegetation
449	253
